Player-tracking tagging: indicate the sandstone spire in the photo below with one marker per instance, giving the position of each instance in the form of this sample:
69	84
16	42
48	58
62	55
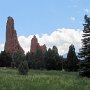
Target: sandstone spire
12	45
35	46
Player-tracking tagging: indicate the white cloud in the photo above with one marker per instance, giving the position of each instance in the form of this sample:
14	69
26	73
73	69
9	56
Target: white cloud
62	38
87	10
1	47
72	19
25	42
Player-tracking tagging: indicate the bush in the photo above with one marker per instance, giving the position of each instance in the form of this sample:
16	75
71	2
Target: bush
23	68
85	73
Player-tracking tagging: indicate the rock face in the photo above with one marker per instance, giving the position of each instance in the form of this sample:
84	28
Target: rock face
35	46
12	45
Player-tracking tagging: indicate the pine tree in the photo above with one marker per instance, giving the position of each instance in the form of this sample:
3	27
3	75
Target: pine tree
72	60
5	59
23	68
85	50
17	58
52	59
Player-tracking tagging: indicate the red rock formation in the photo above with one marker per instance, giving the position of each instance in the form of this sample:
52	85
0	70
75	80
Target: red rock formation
35	46
12	45
44	48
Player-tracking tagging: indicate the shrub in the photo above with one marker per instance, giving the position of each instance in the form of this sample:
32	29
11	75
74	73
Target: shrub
23	68
85	73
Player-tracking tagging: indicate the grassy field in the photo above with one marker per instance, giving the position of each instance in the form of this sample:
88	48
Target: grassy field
42	80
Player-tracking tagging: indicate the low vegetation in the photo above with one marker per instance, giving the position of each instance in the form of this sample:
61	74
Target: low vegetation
42	80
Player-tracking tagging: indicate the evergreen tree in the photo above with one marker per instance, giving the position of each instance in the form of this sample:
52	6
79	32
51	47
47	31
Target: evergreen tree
72	60
85	50
17	58
38	59
23	68
30	57
52	59
5	59
58	59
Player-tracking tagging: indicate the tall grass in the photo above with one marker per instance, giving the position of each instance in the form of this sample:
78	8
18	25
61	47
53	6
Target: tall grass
42	80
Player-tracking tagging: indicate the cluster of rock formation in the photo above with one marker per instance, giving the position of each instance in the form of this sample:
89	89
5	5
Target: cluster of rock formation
12	45
36	46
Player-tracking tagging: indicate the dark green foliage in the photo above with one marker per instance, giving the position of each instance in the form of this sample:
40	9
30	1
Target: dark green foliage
52	59
85	50
72	61
85	69
64	64
39	59
30	57
36	60
5	59
49	60
17	58
23	68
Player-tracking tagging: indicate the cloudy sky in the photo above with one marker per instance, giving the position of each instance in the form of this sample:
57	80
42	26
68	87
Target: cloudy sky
54	22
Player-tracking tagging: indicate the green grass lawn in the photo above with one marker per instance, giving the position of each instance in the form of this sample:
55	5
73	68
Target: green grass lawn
42	80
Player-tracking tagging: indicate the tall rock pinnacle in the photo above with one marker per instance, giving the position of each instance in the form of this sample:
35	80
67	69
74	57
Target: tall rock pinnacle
35	46
12	45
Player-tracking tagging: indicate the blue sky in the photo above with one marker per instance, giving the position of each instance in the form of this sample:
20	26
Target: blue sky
42	16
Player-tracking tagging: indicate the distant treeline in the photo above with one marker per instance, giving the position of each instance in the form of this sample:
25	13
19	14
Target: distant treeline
50	60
